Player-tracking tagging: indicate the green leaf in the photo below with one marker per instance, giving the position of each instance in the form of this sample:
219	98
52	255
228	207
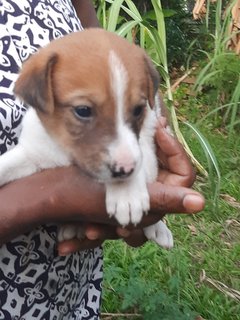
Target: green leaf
236	106
169	13
160	21
132	14
114	14
126	28
134	9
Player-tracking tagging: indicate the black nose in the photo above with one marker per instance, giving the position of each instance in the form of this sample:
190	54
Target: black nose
120	172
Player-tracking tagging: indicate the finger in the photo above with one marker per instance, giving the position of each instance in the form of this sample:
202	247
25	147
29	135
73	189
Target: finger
74	245
174	158
134	238
163	122
100	232
172	199
94	235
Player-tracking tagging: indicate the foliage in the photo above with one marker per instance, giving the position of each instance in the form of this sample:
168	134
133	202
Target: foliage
183	34
150	279
161	303
123	17
221	79
167	285
221	73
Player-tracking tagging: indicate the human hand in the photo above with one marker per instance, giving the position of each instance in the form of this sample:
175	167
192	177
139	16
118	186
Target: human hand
96	234
176	176
169	194
64	194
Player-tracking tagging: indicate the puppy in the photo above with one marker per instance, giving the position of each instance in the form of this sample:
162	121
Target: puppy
93	102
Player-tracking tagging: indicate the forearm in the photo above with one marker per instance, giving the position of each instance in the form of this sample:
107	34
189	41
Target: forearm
51	196
86	13
64	195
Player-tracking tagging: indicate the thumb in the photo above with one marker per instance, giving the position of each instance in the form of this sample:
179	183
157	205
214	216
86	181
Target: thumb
174	199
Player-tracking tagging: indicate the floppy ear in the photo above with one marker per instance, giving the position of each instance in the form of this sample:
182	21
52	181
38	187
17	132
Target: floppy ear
153	81
34	84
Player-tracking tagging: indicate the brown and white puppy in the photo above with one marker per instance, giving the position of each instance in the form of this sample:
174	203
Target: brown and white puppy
93	102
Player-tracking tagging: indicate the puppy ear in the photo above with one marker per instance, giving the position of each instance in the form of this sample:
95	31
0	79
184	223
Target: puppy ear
34	84
153	81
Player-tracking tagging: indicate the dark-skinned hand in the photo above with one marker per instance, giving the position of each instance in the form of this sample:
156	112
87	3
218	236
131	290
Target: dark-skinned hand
171	193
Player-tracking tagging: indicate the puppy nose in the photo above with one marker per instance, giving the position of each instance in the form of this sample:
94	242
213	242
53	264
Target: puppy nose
121	171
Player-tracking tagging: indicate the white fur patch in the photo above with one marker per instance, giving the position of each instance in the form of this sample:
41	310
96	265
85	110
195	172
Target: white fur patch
35	151
119	81
124	151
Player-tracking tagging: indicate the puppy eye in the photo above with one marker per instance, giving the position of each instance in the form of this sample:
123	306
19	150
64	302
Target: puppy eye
138	111
83	112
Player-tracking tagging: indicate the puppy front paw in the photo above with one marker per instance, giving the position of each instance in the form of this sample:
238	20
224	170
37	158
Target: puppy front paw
127	203
160	234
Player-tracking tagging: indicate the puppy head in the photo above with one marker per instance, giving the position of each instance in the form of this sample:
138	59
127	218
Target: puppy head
92	90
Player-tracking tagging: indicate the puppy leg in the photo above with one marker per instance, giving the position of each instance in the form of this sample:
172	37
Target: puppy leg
15	164
129	200
160	234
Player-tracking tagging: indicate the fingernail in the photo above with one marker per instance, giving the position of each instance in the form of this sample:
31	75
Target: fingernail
63	253
193	203
162	121
164	131
124	233
92	235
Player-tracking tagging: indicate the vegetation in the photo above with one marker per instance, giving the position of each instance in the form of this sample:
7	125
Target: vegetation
200	277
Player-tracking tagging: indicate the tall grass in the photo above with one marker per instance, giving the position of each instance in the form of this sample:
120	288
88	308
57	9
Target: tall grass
222	69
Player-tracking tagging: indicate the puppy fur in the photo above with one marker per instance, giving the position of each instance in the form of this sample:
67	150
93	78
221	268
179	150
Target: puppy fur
93	102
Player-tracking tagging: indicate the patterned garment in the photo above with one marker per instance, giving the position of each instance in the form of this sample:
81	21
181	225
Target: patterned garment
35	283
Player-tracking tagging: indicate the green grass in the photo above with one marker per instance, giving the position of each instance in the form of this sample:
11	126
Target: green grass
152	283
134	276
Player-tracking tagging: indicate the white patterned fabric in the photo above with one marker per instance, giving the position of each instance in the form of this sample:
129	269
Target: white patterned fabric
35	283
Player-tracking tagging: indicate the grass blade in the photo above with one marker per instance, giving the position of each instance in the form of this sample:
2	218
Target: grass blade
212	161
126	28
113	15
